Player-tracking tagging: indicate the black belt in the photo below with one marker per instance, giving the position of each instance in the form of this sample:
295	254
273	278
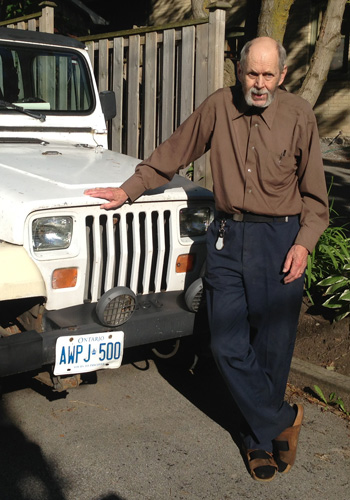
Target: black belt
249	217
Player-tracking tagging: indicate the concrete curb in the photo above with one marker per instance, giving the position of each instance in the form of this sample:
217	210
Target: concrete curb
303	374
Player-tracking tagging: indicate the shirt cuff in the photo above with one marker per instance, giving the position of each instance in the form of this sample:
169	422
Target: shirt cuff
133	187
307	238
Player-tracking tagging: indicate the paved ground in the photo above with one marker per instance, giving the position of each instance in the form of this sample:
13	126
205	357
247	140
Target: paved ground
151	432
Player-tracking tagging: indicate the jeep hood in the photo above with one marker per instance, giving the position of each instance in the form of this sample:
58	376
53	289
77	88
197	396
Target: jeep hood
48	176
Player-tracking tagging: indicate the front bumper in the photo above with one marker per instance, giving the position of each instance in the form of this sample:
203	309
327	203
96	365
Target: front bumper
158	317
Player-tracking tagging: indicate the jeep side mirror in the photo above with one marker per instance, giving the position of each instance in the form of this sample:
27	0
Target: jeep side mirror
108	103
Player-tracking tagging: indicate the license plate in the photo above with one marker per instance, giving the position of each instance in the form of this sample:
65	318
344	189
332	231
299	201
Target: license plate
86	353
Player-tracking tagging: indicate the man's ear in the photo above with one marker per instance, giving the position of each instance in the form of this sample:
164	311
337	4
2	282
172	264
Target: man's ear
283	75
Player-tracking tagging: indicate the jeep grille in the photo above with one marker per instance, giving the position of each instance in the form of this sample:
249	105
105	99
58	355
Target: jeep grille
127	249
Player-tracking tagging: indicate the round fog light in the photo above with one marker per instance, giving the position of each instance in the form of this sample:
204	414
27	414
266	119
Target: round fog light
194	295
116	306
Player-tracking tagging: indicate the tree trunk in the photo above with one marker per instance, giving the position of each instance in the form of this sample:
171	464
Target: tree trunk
328	41
273	18
198	9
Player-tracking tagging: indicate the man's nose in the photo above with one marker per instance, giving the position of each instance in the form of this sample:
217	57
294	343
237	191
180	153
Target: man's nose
259	82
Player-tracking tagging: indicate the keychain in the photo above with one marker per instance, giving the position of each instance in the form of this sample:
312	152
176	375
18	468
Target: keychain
219	245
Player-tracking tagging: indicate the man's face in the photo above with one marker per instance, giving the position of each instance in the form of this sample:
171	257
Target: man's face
260	77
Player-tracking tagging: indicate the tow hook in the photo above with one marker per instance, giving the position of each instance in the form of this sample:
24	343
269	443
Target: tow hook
59	383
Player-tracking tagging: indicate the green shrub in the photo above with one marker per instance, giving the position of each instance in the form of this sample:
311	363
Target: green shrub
329	256
338	290
328	266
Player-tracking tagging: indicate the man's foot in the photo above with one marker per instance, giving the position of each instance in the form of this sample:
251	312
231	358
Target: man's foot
285	445
261	464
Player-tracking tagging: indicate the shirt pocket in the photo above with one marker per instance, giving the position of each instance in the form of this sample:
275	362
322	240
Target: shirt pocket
278	169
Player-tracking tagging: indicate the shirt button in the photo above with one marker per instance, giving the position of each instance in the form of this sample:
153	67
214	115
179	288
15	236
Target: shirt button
249	169
256	125
249	191
253	147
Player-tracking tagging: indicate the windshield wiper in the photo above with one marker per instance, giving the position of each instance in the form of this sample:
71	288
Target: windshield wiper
21	109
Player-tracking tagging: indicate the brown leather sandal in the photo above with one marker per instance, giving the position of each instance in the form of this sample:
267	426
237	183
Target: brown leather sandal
285	445
261	464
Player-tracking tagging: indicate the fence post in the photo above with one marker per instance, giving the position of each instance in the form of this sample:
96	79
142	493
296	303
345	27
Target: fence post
216	54
216	49
47	20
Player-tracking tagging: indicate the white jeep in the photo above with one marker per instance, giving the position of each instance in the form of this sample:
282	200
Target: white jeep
79	284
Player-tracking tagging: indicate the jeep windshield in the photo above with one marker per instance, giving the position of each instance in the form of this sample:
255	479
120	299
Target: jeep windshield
45	80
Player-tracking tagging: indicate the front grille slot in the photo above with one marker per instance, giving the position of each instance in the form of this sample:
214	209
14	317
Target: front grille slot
127	249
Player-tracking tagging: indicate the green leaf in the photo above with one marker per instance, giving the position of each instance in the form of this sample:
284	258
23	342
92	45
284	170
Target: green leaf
308	273
331	280
309	296
330	255
341	316
337	287
319	392
338	238
332	303
345	295
331	396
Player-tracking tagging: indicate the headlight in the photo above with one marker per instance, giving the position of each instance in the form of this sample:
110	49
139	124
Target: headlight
52	233
194	221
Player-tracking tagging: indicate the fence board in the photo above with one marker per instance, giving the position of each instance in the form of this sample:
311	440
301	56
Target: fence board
47	20
216	54
118	88
150	94
201	82
201	90
91	51
168	79
215	65
32	24
187	72
185	96
103	65
133	96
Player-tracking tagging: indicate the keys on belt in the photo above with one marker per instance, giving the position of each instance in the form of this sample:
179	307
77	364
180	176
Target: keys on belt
244	217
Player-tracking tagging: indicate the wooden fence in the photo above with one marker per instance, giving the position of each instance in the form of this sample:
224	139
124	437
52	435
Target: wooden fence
43	20
159	76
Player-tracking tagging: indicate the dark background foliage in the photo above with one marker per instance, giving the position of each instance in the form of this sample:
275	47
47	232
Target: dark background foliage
71	17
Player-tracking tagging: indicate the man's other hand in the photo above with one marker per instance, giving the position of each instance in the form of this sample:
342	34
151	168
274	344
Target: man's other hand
295	263
115	196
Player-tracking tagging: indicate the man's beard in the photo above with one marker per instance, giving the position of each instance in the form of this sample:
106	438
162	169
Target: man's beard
249	99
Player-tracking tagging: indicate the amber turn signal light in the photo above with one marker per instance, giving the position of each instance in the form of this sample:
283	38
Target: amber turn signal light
64	278
185	263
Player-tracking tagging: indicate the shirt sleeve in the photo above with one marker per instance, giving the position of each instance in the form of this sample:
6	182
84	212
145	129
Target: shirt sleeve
190	141
314	217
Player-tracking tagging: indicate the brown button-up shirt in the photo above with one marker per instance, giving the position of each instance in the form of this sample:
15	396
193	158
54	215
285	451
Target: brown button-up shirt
266	161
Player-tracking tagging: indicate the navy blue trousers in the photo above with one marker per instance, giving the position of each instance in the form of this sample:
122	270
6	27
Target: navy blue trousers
253	319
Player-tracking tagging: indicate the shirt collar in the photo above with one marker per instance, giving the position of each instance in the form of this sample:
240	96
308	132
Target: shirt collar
269	113
240	107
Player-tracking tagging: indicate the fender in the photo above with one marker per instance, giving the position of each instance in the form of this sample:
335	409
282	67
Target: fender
20	277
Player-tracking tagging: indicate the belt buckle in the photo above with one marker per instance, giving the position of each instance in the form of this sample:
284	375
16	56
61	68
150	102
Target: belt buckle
238	217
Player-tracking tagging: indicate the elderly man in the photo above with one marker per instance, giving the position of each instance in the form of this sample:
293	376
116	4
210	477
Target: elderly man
271	201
